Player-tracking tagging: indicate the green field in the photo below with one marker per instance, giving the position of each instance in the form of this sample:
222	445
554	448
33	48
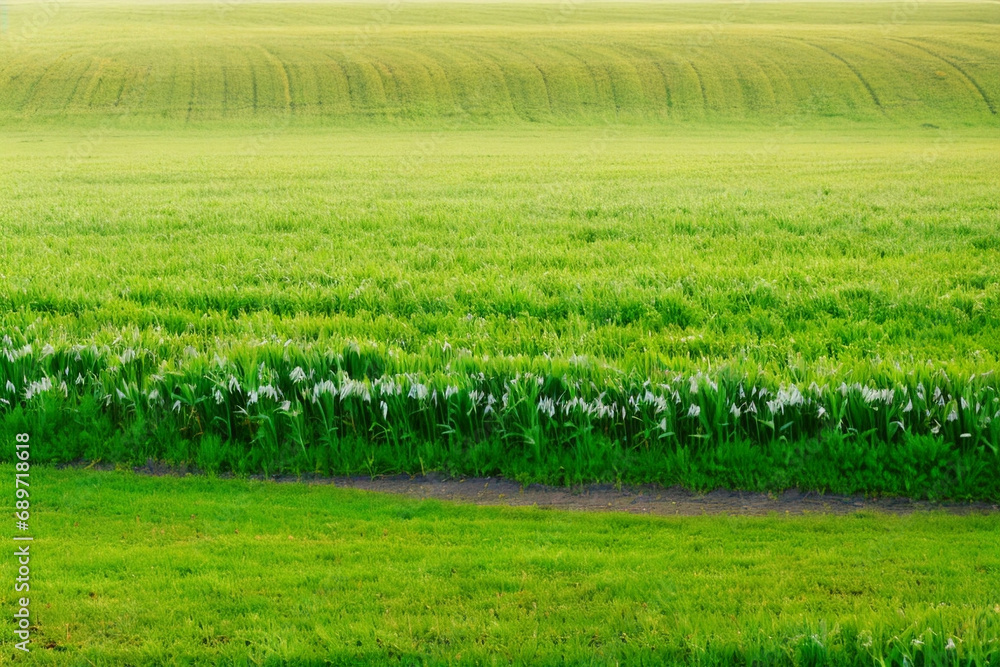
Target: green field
694	249
195	571
569	62
752	245
716	244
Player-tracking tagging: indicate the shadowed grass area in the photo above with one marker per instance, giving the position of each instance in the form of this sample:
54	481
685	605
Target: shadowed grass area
139	570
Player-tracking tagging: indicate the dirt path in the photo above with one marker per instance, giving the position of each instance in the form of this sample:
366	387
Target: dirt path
649	499
638	500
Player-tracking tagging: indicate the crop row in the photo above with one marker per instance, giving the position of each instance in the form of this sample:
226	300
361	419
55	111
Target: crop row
664	68
286	406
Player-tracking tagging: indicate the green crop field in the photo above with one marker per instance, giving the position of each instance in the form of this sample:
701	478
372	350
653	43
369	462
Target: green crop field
569	62
736	244
751	245
504	294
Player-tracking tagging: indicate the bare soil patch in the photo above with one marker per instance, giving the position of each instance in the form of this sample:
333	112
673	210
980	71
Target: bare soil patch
649	499
646	499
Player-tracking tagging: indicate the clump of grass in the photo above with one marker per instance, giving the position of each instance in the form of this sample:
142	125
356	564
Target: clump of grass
281	409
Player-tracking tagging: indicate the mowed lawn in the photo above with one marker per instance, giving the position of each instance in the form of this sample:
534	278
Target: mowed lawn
139	570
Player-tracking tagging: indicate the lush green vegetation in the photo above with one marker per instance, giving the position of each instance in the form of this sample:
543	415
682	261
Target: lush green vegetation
743	244
561	62
208	571
716	244
637	269
760	246
274	408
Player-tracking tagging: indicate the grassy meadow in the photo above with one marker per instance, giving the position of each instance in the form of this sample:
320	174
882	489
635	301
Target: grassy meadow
198	571
568	62
704	243
752	245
